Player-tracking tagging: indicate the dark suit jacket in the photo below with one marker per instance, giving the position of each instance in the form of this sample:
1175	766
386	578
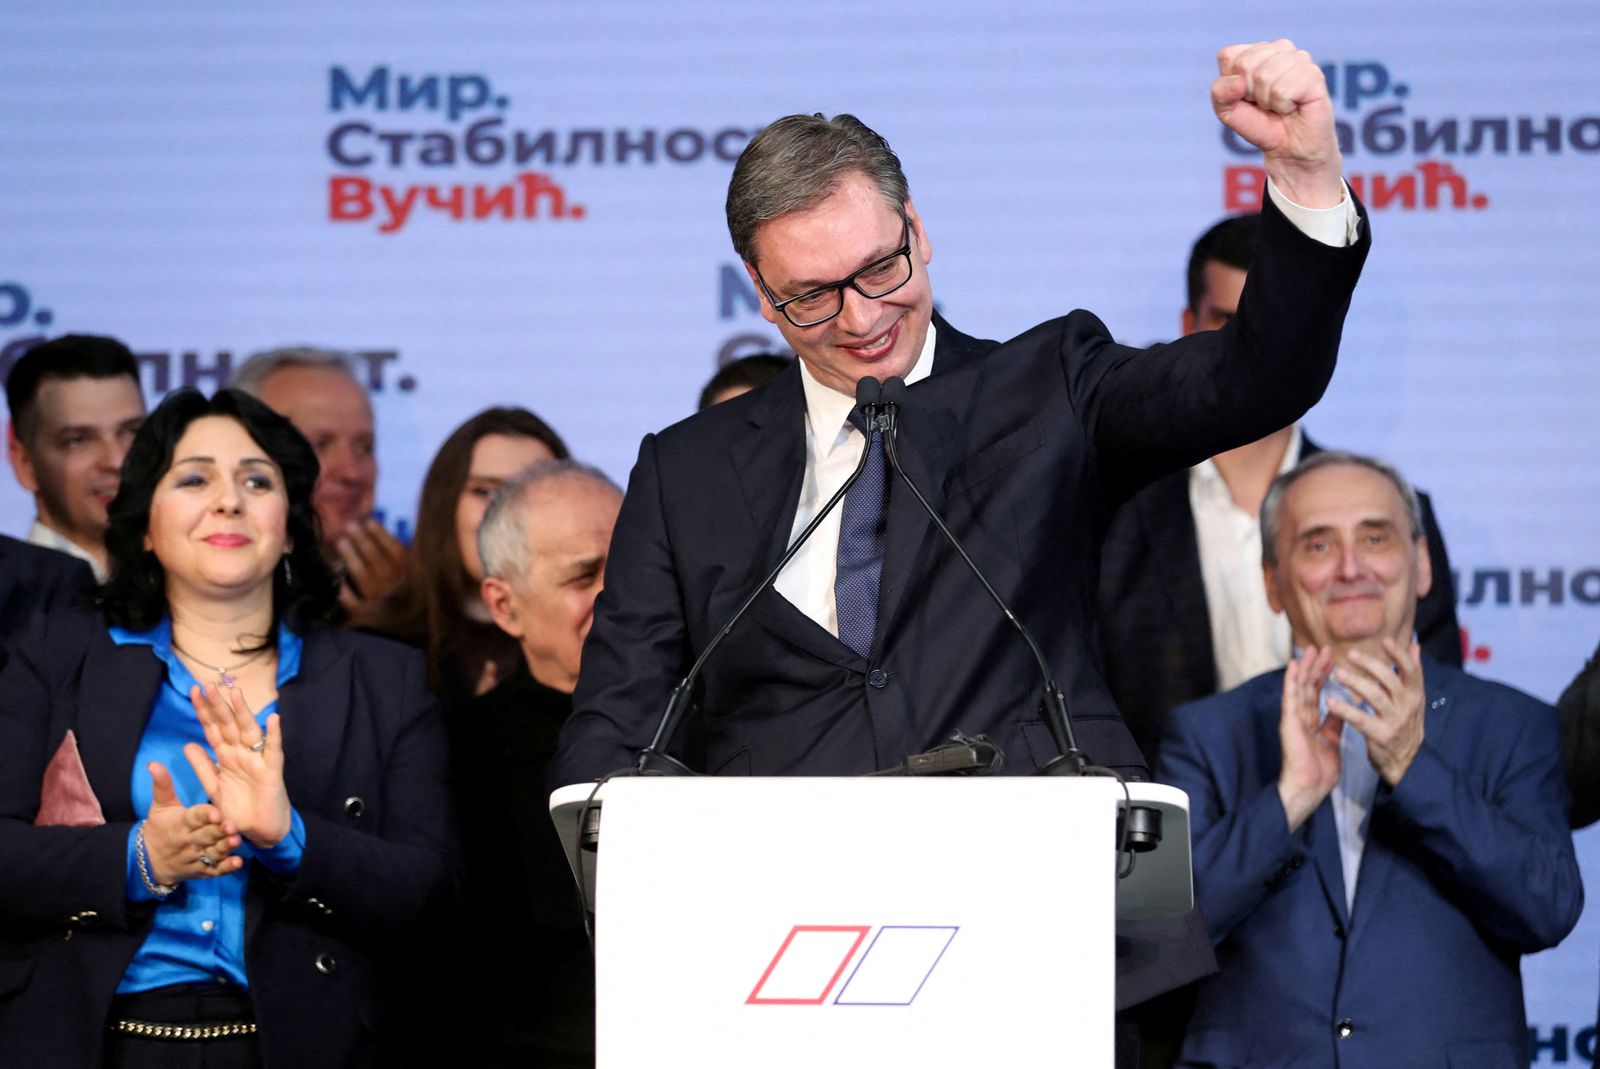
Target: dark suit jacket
34	580
1025	448
529	987
364	765
1468	865
1155	629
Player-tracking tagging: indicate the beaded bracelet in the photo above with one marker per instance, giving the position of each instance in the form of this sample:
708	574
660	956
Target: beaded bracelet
141	859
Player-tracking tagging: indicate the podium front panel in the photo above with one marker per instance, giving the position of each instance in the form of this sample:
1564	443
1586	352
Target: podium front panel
798	922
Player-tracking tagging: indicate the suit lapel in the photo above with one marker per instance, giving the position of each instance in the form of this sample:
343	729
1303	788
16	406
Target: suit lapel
1324	833
924	445
1320	832
930	430
1376	862
115	679
953	349
770	459
1377	859
312	710
785	621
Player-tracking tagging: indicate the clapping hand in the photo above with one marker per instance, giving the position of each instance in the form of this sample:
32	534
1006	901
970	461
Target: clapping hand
186	842
1392	687
1310	744
374	566
245	782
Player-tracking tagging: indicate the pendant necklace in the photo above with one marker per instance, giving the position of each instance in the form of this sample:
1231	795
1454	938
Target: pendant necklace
225	676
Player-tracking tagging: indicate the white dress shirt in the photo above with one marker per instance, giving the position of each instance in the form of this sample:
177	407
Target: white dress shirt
833	445
1247	637
49	538
833	449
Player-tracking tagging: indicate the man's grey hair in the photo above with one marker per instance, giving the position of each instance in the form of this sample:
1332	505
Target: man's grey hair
249	375
795	163
503	531
1272	504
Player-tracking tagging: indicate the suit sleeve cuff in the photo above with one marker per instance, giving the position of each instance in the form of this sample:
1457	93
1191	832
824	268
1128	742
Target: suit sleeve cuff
1283	848
1423	789
1338	226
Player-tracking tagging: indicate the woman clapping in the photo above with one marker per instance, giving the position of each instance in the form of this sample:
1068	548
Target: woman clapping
214	811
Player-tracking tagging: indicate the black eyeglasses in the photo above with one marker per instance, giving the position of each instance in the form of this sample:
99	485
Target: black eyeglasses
878	279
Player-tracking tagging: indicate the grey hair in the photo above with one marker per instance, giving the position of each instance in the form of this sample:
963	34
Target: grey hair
503	531
1272	504
795	163
253	372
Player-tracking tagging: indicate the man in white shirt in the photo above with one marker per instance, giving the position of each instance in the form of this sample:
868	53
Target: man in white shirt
75	407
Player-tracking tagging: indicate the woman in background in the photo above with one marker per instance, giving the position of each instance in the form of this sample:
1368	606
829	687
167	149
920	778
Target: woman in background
439	609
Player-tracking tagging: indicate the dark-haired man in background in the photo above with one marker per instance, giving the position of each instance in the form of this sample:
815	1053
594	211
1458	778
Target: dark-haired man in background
75	406
741	376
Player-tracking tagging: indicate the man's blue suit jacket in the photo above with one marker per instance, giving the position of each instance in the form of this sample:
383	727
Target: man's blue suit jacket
1468	865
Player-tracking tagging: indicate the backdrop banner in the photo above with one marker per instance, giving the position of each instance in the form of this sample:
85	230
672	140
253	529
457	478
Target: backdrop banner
503	203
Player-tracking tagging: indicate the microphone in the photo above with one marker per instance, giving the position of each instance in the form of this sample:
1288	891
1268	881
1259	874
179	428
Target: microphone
654	759
1071	761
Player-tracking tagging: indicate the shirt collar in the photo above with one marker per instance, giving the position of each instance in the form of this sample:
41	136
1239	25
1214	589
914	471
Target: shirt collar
159	639
828	410
49	538
1206	476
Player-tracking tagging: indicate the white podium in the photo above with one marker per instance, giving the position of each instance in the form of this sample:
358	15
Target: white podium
860	921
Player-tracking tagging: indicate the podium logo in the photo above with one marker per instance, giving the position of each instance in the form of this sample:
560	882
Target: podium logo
891	971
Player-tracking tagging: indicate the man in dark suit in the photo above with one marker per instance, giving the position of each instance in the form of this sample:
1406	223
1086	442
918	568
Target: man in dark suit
1429	803
877	643
1182	611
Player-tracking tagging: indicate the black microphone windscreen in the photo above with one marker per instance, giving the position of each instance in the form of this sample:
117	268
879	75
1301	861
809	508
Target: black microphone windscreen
868	390
894	390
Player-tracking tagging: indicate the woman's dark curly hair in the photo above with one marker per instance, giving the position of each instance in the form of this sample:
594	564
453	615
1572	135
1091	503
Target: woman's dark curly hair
135	597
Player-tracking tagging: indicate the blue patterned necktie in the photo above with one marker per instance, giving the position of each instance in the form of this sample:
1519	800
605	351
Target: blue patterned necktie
861	543
1353	798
